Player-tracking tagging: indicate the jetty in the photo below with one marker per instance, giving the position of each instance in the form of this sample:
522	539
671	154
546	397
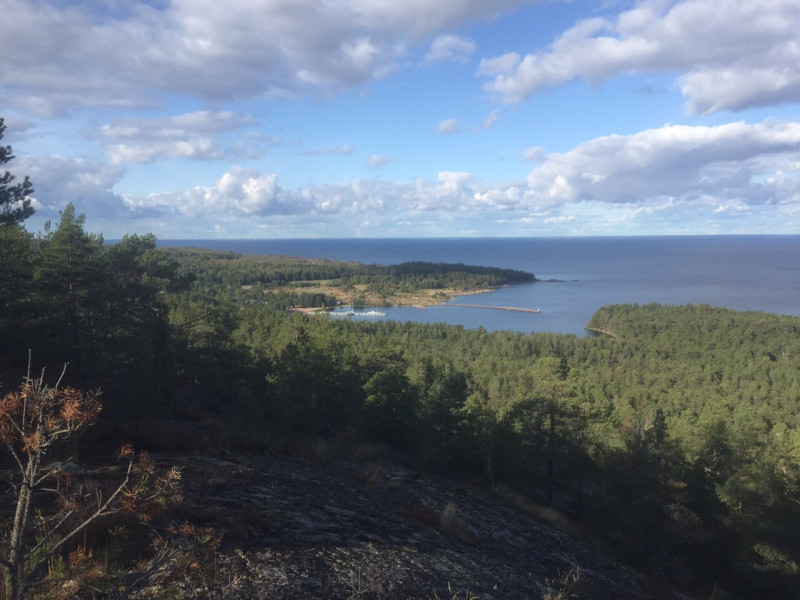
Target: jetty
527	310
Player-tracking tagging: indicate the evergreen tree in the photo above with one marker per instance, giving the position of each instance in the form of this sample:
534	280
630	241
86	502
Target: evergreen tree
15	201
16	273
69	280
15	252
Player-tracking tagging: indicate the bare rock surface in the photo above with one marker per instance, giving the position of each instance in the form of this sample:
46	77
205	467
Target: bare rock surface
299	529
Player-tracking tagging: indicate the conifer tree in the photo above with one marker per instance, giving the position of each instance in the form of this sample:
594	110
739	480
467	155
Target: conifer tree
15	201
15	250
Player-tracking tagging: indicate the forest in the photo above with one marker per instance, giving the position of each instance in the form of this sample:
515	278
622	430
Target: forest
672	434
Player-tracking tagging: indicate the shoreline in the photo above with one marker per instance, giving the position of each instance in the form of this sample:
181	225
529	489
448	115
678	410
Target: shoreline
418	300
601	332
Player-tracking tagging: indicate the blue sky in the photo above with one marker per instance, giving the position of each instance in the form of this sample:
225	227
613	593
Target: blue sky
406	118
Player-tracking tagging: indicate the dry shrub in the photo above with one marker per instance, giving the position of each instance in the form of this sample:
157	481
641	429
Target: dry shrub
456	594
449	520
454	522
370	475
545	514
562	587
425	512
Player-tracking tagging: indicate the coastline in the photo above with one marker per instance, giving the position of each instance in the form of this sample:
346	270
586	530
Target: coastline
601	332
420	299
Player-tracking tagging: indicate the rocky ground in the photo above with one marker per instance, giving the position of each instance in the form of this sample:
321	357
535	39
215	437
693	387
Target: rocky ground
369	530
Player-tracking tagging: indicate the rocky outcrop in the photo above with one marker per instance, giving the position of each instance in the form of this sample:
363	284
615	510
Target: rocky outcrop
299	529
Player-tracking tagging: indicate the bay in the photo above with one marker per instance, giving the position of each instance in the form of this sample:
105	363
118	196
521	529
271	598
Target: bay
747	272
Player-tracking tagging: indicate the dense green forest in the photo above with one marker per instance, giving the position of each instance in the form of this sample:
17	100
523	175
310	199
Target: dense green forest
673	436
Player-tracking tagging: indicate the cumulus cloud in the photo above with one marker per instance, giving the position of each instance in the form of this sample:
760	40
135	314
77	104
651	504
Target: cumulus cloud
449	126
736	161
671	175
245	192
500	198
239	191
454	192
192	135
81	57
732	54
450	48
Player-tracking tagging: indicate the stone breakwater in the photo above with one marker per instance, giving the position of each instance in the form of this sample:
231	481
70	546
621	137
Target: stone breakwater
528	310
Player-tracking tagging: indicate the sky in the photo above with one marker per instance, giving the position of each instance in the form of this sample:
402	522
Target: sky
197	119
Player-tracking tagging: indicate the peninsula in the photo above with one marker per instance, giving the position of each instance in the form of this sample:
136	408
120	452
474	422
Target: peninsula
302	284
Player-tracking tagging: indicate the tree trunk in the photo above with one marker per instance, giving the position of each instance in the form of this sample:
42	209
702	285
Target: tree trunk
550	453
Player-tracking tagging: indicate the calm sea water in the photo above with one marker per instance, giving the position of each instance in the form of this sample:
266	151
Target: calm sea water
738	272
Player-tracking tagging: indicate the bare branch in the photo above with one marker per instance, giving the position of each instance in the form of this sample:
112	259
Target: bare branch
63	371
49	534
30	362
50	473
16	458
102	510
157	565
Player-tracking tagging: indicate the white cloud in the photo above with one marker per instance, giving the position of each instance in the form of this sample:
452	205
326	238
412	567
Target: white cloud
239	191
489	67
67	55
718	164
377	160
500	199
662	178
489	122
422	18
246	192
732	54
534	154
454	192
449	126
450	48
87	183
192	135
198	148
670	176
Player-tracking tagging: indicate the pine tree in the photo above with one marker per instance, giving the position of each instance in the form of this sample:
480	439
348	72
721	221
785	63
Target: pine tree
15	252
15	201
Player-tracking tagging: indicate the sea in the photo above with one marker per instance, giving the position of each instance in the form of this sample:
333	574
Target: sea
577	275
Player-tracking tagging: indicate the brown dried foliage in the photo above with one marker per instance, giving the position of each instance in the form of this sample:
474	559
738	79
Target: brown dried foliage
32	420
37	415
